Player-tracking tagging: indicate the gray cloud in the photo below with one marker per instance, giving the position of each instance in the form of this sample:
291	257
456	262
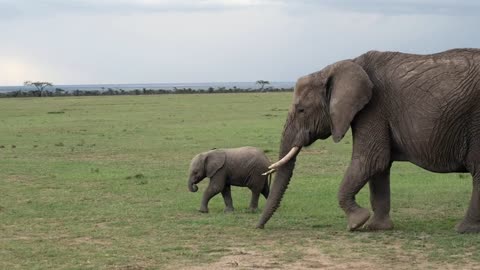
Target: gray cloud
92	41
401	7
23	8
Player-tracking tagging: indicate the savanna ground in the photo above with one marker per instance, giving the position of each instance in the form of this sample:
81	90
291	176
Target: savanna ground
101	183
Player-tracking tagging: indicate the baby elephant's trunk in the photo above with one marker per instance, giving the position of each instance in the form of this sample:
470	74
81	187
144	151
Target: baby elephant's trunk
192	186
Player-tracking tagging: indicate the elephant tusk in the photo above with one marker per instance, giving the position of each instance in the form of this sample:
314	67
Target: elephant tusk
285	159
269	172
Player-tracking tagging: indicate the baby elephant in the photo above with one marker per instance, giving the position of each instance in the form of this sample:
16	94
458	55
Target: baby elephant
241	167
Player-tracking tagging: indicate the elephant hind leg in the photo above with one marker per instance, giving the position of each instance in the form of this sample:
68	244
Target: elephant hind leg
471	221
254	201
227	198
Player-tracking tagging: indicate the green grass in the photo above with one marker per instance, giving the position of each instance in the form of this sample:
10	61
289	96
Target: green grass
101	183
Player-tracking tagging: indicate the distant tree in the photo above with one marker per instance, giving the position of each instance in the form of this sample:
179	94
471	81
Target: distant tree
39	85
262	83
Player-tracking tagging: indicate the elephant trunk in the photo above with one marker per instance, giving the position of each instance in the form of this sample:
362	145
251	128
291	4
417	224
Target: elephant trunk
289	147
280	184
192	186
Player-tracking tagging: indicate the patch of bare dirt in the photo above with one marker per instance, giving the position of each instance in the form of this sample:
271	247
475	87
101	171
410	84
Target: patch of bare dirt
311	259
314	258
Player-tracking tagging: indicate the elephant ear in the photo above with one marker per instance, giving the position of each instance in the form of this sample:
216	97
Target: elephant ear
214	161
349	89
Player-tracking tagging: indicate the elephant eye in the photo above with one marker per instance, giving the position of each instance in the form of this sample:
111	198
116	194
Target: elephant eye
298	107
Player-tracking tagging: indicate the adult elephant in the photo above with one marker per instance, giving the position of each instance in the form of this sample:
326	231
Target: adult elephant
402	107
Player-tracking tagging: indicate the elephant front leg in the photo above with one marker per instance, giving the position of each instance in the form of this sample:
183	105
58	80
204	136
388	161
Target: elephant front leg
380	202
227	197
355	178
471	221
213	189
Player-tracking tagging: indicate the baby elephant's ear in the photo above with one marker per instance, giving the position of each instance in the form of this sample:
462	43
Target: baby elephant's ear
214	161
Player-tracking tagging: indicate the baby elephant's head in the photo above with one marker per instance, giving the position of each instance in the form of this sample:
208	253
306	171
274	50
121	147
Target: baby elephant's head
203	165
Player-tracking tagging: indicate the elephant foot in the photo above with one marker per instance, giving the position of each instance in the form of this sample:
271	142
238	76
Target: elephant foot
468	227
228	210
379	224
203	210
357	218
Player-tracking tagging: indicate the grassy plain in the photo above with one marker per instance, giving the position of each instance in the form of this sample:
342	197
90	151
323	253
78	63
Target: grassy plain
100	183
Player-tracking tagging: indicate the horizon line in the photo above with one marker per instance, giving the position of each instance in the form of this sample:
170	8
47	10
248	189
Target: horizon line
165	83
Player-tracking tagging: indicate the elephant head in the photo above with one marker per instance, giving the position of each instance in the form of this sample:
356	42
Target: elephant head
203	165
324	105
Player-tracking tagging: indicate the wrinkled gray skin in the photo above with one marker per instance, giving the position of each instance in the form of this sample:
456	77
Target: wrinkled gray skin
241	167
424	109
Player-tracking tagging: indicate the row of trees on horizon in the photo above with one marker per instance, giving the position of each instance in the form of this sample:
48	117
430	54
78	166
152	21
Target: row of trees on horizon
43	89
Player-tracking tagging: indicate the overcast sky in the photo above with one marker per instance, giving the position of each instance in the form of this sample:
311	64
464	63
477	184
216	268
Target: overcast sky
155	41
